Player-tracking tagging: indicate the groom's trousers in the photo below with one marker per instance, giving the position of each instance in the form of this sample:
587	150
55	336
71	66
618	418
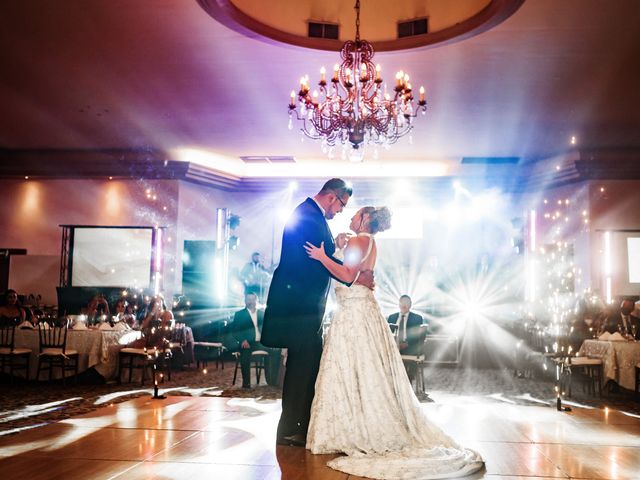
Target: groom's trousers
303	363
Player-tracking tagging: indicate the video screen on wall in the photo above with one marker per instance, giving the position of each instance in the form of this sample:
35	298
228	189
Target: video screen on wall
110	257
625	261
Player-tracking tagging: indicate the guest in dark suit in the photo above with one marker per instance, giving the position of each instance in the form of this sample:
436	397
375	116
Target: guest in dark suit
409	332
246	327
623	320
296	304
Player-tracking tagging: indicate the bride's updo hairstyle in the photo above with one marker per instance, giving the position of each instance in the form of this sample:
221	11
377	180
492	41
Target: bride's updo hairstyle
379	219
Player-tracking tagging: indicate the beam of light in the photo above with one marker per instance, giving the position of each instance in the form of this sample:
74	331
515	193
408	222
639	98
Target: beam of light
402	189
194	392
198	392
460	190
317	168
529	398
221	261
629	414
21	429
158	262
607	267
532	231
19	415
31	410
530	258
212	160
501	398
102	399
221	222
577	404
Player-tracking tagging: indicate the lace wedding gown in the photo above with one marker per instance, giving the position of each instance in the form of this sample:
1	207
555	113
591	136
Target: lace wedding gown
364	404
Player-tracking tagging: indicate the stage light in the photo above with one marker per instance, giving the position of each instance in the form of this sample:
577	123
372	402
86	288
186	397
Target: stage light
429	214
293	186
402	187
472	309
283	214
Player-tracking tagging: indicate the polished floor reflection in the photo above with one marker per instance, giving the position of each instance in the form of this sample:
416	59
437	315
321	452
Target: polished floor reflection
203	437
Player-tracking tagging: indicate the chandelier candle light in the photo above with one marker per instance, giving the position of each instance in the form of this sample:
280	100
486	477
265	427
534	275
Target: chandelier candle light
352	108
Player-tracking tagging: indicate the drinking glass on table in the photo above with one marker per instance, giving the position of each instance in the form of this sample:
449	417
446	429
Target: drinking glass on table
634	331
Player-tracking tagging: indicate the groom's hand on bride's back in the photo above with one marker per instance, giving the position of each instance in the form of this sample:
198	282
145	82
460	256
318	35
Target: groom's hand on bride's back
367	279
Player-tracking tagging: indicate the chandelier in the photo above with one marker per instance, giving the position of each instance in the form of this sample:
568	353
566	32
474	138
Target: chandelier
354	109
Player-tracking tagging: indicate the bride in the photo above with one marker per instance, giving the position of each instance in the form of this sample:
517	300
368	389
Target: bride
364	405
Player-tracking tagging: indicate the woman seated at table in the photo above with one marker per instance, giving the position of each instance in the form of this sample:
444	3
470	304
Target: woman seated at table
124	312
156	315
97	309
11	307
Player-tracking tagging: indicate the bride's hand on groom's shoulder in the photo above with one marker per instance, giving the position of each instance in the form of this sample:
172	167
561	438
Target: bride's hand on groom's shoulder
366	278
342	239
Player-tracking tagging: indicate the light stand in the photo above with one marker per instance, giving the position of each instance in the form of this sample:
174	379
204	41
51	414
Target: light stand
156	395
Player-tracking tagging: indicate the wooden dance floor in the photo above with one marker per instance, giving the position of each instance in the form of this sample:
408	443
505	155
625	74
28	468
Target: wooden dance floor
226	438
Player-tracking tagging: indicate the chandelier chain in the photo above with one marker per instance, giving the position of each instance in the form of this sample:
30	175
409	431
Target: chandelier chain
357	8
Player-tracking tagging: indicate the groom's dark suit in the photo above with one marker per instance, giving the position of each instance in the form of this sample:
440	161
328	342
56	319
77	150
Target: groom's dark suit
295	307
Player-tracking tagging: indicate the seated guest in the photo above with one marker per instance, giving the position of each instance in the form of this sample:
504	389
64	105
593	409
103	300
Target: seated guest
157	313
124	312
246	327
622	320
11	307
97	309
409	334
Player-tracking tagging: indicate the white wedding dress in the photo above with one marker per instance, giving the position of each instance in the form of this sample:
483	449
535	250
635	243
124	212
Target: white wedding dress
364	405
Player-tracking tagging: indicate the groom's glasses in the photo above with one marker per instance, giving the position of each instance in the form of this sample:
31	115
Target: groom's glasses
344	205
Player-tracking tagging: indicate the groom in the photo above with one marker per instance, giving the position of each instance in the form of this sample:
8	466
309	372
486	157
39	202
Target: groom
296	304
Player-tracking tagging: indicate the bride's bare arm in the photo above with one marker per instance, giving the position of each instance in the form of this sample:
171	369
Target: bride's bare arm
348	271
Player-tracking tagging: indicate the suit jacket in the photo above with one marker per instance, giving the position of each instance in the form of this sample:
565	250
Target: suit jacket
415	334
299	287
615	320
242	327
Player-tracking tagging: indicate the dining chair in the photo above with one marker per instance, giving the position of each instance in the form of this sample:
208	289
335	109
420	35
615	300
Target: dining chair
15	358
205	351
53	349
417	362
153	354
589	371
258	362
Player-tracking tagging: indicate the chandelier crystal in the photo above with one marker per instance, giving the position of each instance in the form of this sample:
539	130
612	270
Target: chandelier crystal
353	108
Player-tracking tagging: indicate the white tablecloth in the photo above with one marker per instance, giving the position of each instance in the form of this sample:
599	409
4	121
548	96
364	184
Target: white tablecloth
619	358
96	348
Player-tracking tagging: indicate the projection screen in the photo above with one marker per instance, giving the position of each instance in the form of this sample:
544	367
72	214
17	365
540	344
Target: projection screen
110	257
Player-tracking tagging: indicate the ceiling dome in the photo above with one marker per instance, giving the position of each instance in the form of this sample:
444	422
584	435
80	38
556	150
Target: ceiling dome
288	21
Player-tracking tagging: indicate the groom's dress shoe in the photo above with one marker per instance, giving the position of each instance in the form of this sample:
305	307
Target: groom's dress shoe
296	440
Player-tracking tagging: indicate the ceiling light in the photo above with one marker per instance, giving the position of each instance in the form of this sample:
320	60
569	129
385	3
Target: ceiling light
353	108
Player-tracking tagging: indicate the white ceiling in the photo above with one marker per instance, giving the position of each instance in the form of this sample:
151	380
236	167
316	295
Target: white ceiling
162	74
